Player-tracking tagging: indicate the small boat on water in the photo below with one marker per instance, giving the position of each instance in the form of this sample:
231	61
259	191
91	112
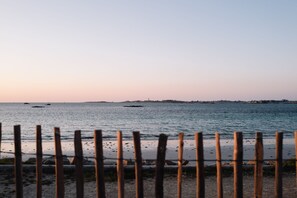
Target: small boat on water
133	106
38	106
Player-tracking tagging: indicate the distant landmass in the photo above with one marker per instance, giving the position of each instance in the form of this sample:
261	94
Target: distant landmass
284	101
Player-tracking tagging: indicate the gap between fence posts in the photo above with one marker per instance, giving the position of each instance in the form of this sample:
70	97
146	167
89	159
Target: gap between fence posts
200	191
138	165
78	159
120	168
180	164
238	156
99	164
161	155
59	164
18	161
278	165
38	162
219	166
258	167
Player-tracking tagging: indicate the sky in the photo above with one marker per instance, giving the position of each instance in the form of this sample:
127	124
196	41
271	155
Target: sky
76	51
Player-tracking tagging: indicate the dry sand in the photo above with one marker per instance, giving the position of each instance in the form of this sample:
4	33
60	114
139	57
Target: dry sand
170	190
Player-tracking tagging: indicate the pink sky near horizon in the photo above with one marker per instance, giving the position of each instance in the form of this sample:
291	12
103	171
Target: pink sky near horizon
75	51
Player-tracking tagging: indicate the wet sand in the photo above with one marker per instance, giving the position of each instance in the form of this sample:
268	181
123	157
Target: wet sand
149	148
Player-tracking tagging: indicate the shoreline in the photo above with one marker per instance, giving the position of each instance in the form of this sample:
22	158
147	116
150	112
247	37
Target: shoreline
149	149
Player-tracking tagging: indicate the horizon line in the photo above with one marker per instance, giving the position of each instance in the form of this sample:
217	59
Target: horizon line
164	100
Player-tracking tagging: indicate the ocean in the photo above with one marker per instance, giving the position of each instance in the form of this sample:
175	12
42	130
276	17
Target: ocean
151	119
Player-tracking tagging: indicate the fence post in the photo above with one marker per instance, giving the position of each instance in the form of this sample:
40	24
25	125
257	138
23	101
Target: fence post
0	137
258	170
180	164
120	168
200	165
59	165
18	161
138	165
78	159
38	162
99	164
278	165
219	166
161	154
238	156
296	158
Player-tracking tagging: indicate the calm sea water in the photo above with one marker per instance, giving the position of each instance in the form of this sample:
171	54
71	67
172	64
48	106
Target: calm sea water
151	119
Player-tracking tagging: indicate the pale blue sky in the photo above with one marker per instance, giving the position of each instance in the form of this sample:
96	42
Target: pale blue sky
129	50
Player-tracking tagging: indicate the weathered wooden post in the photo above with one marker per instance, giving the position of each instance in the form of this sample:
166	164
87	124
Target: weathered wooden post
161	154
38	162
0	137
18	161
180	164
99	164
258	172
296	158
279	165
200	166
138	165
60	191
238	156
78	159
120	167
219	167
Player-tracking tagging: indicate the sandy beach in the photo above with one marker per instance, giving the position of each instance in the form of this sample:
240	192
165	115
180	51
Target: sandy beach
170	189
149	152
149	148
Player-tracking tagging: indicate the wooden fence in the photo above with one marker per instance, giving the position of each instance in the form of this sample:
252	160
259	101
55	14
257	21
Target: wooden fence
159	169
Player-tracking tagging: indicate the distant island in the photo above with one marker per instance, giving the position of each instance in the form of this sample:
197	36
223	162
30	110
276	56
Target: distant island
284	101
